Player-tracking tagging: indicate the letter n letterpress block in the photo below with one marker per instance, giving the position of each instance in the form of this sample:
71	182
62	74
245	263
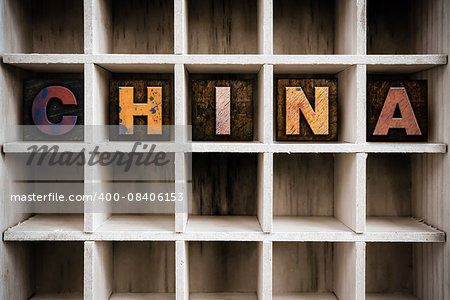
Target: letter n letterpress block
53	110
397	111
306	110
222	108
140	110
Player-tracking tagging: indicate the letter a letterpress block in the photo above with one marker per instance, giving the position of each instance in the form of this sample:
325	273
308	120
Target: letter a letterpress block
306	109
397	111
53	110
140	110
222	107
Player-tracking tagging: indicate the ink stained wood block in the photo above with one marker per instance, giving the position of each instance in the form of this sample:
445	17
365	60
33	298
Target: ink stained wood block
397	111
224	114
53	110
140	109
306	109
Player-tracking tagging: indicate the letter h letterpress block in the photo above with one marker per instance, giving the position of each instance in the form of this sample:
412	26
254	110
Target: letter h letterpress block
222	107
306	109
397	111
140	110
53	110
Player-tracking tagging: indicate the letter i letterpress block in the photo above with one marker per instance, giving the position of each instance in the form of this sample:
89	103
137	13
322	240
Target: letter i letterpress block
397	111
140	110
222	109
53	110
306	109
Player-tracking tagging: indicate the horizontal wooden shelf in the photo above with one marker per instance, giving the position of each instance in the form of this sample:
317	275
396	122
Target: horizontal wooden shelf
389	297
305	296
142	296
138	223
401	229
157	63
223	296
250	147
47	227
222	224
314	225
46	296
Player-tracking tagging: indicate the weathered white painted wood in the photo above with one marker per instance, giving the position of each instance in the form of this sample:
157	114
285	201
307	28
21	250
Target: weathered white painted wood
224	224
182	270
49	296
347	260
264	285
223	296
361	192
304	224
181	182
265	191
399	225
305	296
346	27
134	223
180	27
97	26
387	296
150	227
348	113
334	63
142	296
51	222
361	110
182	161
265	116
251	147
265	26
97	270
346	191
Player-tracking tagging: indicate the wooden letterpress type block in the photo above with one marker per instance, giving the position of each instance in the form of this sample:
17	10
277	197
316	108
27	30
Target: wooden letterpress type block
140	109
53	110
306	109
222	107
397	111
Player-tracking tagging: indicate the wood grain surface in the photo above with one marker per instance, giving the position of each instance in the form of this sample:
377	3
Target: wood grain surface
224	184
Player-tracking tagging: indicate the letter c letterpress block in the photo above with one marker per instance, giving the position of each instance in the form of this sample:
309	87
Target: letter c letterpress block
53	110
140	110
306	109
397	111
222	107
